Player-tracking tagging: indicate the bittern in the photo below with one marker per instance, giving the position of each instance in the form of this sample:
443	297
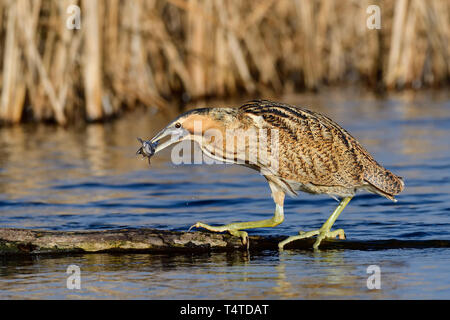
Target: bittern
300	150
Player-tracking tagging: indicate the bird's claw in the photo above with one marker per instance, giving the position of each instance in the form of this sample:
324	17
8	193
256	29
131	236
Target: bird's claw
245	240
320	233
237	233
341	234
241	234
193	226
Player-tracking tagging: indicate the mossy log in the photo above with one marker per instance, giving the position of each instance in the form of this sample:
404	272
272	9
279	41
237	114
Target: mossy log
26	242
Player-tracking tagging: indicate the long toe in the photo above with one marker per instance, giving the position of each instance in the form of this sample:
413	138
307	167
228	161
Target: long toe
302	235
208	227
242	234
193	226
339	233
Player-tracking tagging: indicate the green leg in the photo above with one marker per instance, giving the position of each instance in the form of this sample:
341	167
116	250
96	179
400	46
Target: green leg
234	228
324	231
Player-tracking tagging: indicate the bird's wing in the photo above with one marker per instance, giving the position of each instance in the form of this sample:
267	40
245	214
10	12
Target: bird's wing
312	148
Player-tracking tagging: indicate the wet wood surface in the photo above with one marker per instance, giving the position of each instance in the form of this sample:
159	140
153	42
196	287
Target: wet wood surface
29	242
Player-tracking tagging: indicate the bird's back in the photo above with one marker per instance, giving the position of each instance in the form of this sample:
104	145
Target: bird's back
317	155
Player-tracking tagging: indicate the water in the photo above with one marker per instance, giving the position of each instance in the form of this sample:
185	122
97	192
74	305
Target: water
85	178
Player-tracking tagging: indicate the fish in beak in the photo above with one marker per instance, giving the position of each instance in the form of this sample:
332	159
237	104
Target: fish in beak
149	148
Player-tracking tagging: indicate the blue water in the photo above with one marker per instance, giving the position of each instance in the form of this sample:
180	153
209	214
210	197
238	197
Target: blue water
85	178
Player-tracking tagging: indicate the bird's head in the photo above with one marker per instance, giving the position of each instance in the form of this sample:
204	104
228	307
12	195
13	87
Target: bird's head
190	125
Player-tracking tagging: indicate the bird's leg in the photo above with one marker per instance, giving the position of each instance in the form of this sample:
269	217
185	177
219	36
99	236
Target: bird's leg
235	228
324	231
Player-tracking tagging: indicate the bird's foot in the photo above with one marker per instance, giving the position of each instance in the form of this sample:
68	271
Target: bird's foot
321	234
237	233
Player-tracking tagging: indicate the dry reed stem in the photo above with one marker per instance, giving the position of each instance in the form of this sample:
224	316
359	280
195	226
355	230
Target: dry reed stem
154	52
92	61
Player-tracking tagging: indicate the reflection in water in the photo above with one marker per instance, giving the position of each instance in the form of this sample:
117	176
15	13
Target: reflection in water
89	177
337	279
290	275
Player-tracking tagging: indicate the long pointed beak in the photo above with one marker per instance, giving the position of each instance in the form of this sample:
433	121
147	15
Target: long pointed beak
176	135
149	148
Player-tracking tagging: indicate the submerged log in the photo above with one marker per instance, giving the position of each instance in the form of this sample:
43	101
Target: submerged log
26	242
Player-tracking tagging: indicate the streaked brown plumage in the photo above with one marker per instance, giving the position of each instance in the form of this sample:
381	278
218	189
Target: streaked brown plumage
314	155
319	154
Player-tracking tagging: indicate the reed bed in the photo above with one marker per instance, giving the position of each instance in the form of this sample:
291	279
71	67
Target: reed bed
158	52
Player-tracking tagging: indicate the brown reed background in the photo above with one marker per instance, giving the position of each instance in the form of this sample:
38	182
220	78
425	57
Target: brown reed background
160	52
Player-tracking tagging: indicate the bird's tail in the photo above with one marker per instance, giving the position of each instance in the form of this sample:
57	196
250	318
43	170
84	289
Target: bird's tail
384	182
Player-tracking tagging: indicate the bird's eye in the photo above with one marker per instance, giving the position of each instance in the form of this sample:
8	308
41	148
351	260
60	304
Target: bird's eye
177	125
